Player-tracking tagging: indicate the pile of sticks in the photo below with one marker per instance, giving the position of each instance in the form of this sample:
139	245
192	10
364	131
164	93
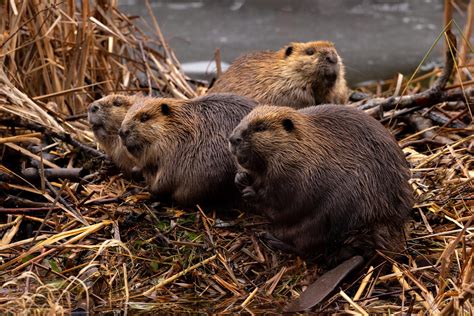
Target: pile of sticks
76	235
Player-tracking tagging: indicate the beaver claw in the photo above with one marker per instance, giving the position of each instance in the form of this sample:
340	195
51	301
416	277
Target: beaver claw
242	180
248	193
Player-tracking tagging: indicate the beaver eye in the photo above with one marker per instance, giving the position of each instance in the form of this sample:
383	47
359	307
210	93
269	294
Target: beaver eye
144	117
310	51
117	102
260	128
288	125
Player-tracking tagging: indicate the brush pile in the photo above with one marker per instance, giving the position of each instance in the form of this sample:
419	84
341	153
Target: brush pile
78	236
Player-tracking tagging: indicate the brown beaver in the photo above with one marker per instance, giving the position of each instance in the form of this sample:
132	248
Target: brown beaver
105	117
331	179
181	146
298	75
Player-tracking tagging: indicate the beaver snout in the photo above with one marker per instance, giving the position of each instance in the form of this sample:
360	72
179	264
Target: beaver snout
94	116
330	57
123	133
133	144
235	140
93	107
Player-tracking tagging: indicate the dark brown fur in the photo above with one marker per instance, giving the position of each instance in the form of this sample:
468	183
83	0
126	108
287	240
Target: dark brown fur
181	145
331	179
298	75
105	117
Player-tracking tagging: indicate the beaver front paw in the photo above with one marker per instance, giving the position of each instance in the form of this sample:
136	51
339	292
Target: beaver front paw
249	194
242	180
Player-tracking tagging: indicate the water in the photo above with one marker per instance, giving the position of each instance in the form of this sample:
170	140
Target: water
376	38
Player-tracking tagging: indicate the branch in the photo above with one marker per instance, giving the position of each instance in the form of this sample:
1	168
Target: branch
65	137
429	97
64	173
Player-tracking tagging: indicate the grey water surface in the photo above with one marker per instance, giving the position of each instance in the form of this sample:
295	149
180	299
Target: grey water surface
376	38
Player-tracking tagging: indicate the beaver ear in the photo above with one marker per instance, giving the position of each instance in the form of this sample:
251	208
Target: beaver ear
288	125
288	51
165	109
117	102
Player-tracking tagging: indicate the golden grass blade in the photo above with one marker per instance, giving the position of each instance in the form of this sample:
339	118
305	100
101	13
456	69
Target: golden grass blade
178	275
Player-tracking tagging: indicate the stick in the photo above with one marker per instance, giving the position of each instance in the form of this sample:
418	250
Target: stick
425	126
65	173
65	137
249	298
31	155
178	275
353	304
26	210
32	137
363	284
217	57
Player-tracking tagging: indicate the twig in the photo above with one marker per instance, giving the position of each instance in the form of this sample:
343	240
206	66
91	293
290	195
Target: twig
53	205
71	210
178	275
465	46
363	284
353	304
217	58
26	210
75	117
249	298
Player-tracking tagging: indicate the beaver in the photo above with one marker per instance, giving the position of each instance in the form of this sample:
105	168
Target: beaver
298	75
332	180
105	117
181	146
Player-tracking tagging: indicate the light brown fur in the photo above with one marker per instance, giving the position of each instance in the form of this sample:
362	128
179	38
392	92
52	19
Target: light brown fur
289	76
181	146
105	117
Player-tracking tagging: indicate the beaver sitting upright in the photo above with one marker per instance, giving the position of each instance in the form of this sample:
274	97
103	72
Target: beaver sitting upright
181	146
331	179
105	117
298	75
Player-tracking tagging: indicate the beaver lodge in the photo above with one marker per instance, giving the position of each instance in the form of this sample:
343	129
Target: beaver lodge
76	235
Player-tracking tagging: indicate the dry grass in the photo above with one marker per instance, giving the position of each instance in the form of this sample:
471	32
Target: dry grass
99	243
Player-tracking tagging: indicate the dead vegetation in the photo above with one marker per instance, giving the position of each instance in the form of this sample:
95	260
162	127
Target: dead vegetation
76	235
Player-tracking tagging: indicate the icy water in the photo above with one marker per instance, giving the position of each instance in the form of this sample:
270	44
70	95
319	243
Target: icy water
376	38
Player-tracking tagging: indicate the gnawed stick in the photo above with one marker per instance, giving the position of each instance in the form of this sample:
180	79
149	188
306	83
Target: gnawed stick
423	99
425	126
65	173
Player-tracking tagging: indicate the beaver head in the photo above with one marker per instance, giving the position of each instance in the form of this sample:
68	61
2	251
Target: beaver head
154	126
318	60
267	134
106	115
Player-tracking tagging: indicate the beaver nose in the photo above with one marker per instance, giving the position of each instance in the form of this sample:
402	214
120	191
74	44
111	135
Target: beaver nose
93	108
123	133
235	140
331	57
